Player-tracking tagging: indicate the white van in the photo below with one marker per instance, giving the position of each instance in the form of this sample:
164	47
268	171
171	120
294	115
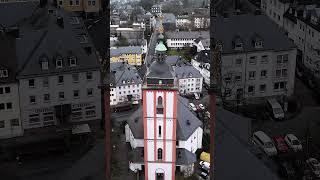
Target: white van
264	142
275	109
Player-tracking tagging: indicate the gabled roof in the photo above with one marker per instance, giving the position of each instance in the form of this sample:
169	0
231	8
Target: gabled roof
125	50
124	72
45	37
241	28
186	71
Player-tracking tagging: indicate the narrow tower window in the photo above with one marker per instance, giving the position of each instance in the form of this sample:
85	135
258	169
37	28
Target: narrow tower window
159	106
159	131
159	154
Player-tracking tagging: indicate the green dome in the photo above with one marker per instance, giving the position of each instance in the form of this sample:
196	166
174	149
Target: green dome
161	47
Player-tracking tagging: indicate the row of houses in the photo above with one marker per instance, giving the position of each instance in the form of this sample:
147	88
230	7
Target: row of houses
54	80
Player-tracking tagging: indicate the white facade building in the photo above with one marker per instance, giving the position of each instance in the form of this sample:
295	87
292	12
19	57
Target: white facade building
184	39
183	21
189	79
201	62
253	66
125	84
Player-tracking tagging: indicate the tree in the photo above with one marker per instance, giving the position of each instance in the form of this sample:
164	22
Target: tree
146	4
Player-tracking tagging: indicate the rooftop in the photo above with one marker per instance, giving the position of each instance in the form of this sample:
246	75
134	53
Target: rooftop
182	71
124	74
188	35
125	50
228	31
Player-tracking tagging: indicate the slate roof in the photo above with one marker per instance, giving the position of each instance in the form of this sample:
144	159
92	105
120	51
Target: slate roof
159	70
172	60
125	50
184	157
124	72
184	131
186	71
245	27
14	13
187	34
46	39
8	59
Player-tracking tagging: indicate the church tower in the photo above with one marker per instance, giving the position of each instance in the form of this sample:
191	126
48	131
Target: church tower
160	117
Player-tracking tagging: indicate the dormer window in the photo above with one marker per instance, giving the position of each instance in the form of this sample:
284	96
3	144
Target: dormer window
237	43
45	65
59	62
257	41
72	61
123	82
258	44
4	73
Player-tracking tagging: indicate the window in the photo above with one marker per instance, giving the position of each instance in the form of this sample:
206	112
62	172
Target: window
282	59
159	154
90	92
3	73
45	82
238	62
76	93
71	3
89	3
75	77
45	65
159	105
262	88
253	60
72	61
278	73
7	89
264	73
93	3
89	75
31	82
264	59
59	63
284	72
252	74
77	2
9	105
279	85
2	125
238	78
46	97
159	131
1	90
251	89
60	80
14	122
1	106
60	3
61	95
32	99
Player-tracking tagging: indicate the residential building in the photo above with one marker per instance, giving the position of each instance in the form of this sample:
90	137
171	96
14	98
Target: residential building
143	43
201	21
163	133
130	54
252	65
202	44
189	79
130	33
275	9
10	121
182	39
126	84
302	26
202	63
87	6
59	72
183	21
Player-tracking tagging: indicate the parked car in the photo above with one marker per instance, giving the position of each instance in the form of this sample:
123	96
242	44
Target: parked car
293	142
201	106
314	165
192	107
203	175
264	142
204	164
275	109
280	144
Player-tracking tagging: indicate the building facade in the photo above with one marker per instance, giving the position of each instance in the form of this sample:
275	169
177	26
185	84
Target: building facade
189	79
255	67
129	54
126	84
87	6
58	83
202	62
184	39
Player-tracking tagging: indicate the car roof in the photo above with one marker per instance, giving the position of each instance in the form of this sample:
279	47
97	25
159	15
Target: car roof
292	137
273	102
263	135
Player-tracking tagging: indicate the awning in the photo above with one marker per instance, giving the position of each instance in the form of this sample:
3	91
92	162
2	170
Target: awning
81	129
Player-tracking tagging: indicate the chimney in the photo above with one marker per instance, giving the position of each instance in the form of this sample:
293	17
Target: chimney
60	21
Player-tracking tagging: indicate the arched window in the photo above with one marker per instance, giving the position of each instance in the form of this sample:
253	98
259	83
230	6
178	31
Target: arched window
159	154
159	105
